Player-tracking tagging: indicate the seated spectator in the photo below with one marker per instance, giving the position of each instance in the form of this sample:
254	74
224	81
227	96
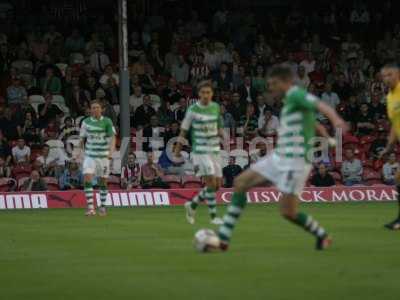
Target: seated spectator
130	173
199	70
249	122
21	153
75	42
223	79
322	178
109	79
5	170
5	150
136	99
50	83
227	119
258	82
301	78
269	124
16	93
330	97
98	59
30	129
230	172
379	144
180	111
259	154
147	81
377	107
48	163
171	93
237	108
72	178
35	183
154	133
180	70
173	131
144	112
48	111
9	124
351	169
390	168
77	100
151	174
68	129
168	163
364	121
247	92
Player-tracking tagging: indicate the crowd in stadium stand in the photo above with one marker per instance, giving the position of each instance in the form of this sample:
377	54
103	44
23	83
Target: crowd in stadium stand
49	74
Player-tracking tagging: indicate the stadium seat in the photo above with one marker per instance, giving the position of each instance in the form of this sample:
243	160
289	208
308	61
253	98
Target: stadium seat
21	171
174	181
52	183
114	182
189	181
371	174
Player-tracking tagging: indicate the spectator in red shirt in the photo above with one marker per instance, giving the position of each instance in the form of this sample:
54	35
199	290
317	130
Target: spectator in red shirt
151	174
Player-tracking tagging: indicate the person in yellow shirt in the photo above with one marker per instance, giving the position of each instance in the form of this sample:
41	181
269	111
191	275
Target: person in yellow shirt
391	77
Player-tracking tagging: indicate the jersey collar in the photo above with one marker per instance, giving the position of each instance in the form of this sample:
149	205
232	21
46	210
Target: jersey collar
201	105
96	120
291	90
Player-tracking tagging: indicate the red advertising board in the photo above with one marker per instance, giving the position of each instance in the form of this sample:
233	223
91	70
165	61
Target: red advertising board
173	197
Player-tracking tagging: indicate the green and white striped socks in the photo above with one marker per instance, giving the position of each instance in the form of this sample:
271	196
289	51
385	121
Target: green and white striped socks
88	188
310	225
103	195
207	194
234	211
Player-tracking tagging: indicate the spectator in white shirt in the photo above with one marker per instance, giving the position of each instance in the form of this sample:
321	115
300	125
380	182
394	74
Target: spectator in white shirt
359	16
308	63
109	78
268	125
390	169
330	97
302	78
99	60
21	153
180	70
136	99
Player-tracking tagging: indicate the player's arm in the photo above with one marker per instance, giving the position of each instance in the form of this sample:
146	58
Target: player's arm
180	142
332	115
392	139
321	130
112	140
185	126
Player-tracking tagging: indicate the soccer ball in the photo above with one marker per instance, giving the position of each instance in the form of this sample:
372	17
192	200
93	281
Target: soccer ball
206	240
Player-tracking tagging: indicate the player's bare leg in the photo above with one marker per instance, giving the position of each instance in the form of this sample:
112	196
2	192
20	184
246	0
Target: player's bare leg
88	188
206	194
395	224
242	184
103	196
289	210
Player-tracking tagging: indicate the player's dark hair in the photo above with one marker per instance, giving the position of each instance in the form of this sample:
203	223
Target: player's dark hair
204	84
281	72
97	101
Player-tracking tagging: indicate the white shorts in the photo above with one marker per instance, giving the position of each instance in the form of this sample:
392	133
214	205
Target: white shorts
207	165
99	167
287	181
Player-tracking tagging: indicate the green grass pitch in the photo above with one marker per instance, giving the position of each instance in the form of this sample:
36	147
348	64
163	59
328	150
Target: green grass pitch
147	253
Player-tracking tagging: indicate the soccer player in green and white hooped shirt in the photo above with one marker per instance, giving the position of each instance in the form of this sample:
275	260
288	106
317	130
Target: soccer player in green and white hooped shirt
289	165
98	141
204	120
